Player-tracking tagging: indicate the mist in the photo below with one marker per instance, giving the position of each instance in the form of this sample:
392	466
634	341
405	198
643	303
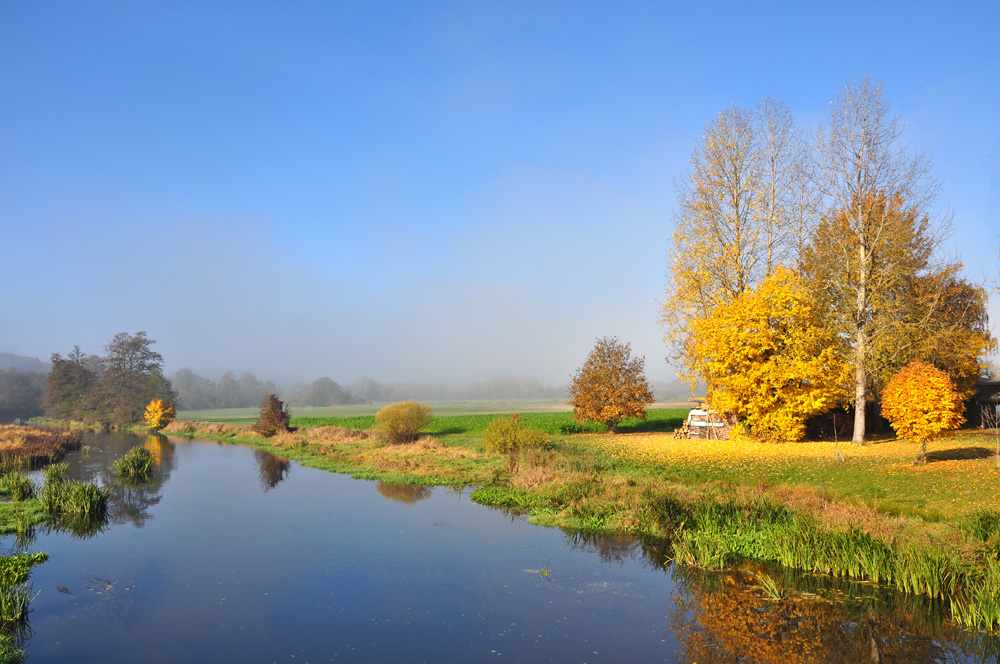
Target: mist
452	195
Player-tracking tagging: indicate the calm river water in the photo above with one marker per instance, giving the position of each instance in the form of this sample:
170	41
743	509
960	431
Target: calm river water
231	554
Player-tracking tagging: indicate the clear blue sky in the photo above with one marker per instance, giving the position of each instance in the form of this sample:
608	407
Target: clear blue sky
419	190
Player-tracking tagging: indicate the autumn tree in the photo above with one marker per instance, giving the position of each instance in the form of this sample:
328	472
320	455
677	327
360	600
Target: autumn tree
273	418
743	211
70	386
159	413
921	402
611	385
767	358
870	177
133	376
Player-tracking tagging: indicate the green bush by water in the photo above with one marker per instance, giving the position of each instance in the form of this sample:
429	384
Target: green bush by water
136	466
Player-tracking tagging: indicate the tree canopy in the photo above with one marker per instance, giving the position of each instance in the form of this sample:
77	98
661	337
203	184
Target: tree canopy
611	385
767	358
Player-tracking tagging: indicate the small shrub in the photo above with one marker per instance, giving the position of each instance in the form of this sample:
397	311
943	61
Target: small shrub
17	485
136	466
506	435
401	422
159	413
273	418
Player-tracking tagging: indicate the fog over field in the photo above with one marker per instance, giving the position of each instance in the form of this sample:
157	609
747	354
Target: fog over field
435	192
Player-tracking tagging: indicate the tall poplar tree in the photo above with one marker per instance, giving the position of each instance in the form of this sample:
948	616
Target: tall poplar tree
871	179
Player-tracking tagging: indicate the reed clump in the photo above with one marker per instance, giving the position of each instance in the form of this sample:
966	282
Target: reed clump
15	589
17	486
136	466
61	496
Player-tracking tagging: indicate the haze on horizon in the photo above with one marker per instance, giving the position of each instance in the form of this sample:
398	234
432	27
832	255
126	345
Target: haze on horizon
429	192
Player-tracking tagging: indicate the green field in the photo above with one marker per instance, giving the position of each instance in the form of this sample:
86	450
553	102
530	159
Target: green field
249	415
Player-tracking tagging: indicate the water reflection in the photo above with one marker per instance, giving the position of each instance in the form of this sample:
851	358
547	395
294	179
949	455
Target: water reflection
728	617
271	469
404	493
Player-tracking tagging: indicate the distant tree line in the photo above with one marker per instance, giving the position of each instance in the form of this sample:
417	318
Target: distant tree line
22	386
196	392
111	390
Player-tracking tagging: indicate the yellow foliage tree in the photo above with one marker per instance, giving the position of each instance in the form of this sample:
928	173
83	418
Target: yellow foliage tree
159	413
611	385
767	358
921	402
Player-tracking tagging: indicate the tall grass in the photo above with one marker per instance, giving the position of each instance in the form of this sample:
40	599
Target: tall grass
136	466
15	591
17	486
82	500
719	536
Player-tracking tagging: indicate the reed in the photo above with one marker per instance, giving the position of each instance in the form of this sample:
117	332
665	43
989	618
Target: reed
17	486
136	466
15	590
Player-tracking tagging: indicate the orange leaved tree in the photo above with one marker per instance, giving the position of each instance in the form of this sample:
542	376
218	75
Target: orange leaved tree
920	402
159	413
611	385
767	358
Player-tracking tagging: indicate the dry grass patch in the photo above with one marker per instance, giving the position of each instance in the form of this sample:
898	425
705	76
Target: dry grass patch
21	444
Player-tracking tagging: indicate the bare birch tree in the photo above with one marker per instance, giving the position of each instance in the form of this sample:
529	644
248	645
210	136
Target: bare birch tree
871	177
739	214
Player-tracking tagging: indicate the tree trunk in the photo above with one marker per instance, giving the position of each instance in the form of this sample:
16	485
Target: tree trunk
860	316
612	427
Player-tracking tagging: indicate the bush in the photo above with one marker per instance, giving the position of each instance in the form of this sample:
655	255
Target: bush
401	422
274	417
506	435
136	466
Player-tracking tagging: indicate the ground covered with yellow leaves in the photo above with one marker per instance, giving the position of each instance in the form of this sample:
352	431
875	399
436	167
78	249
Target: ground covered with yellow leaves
960	474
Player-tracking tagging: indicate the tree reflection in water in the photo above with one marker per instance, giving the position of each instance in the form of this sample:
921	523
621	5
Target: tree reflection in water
271	469
404	493
727	617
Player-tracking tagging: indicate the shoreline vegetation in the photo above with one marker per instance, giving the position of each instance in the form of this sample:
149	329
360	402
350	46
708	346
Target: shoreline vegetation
930	530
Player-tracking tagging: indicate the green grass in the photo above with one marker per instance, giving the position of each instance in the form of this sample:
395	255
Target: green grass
555	423
249	415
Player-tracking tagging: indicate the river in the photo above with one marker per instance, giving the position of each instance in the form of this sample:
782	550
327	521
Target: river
233	554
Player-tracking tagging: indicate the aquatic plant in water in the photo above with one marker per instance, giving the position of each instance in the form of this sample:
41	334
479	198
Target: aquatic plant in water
17	486
136	466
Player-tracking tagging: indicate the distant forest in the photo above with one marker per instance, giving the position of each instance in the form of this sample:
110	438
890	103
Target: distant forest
195	392
23	381
22	386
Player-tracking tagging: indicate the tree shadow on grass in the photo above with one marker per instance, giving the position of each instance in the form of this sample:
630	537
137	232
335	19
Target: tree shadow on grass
960	454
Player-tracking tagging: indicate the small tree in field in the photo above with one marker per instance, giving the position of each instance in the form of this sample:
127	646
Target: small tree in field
611	385
401	422
273	418
159	413
920	402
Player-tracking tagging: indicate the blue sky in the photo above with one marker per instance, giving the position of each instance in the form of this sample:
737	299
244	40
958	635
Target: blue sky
425	190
